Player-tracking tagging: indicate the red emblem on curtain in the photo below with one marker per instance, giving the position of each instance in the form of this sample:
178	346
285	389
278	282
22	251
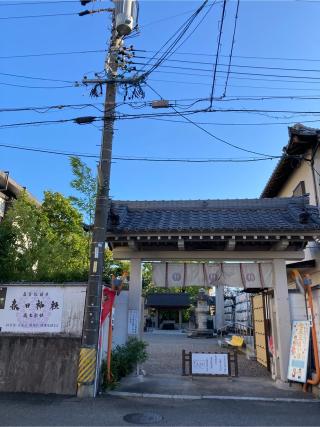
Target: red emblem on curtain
107	303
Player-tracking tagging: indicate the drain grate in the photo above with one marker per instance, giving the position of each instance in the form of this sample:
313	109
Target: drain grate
146	418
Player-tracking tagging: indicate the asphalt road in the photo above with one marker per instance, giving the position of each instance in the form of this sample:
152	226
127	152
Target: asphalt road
23	410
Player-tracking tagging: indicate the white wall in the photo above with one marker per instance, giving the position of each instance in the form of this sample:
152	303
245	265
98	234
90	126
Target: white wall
70	320
297	306
120	323
301	173
120	329
74	297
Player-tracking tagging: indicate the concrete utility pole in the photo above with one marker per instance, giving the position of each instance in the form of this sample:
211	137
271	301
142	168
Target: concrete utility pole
88	363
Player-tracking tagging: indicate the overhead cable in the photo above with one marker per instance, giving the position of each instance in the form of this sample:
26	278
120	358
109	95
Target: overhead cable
38	16
35	87
237	147
232	47
142	158
206	70
267	58
215	68
172	42
35	78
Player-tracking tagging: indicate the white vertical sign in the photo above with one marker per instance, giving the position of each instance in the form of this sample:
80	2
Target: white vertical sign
133	322
299	350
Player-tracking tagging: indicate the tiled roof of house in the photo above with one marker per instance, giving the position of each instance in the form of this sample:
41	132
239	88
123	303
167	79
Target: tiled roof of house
293	215
9	188
301	139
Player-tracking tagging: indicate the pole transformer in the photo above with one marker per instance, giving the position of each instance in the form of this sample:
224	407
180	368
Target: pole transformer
88	372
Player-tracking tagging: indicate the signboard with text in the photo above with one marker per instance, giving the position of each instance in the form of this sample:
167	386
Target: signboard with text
26	309
299	350
210	364
133	322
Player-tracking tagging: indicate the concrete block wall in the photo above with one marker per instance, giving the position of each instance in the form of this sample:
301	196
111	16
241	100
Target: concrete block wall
35	364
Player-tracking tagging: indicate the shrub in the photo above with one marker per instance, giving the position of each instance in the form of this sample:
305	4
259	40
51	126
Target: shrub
124	359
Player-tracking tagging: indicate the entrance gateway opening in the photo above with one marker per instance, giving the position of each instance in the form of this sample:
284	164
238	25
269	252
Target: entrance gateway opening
224	246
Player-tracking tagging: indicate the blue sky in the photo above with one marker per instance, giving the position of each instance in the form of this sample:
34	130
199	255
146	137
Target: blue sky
271	29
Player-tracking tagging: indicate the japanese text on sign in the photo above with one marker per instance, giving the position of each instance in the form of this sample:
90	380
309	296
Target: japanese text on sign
31	309
133	322
299	349
210	364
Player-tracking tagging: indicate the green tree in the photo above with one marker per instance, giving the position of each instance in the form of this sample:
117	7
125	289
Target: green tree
43	242
27	230
84	182
67	237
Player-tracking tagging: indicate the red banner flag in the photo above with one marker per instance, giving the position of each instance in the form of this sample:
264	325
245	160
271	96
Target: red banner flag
108	299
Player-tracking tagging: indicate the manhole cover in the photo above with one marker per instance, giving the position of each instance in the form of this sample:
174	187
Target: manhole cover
143	418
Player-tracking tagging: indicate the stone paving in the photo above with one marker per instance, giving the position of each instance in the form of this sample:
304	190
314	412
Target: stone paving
165	350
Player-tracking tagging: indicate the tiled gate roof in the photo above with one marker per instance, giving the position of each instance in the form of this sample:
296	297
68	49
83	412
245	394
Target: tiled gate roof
292	215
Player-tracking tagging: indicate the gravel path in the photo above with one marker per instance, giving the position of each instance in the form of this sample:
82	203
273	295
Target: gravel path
165	354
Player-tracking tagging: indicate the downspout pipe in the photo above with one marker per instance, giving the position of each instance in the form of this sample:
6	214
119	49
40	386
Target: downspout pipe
308	290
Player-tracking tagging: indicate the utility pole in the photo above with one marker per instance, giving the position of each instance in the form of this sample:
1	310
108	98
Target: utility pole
88	372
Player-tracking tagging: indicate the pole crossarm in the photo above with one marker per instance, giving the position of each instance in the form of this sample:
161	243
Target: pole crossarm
133	80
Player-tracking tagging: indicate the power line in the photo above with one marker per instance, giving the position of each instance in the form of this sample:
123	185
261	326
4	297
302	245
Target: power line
174	67
175	113
234	124
240	56
172	42
268	58
43	3
35	78
39	16
237	86
30	55
142	158
36	87
234	72
237	147
147	103
232	47
172	16
44	109
239	78
195	28
81	52
184	61
215	68
35	123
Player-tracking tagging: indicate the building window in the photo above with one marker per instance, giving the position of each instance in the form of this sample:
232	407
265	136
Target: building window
300	189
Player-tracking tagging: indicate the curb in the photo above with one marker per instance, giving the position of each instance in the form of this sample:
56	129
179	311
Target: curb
210	397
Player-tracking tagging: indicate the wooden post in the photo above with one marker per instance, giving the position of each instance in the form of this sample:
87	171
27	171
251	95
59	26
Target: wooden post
183	362
236	371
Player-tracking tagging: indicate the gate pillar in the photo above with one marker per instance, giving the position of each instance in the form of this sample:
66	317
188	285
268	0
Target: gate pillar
135	308
282	329
219	307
